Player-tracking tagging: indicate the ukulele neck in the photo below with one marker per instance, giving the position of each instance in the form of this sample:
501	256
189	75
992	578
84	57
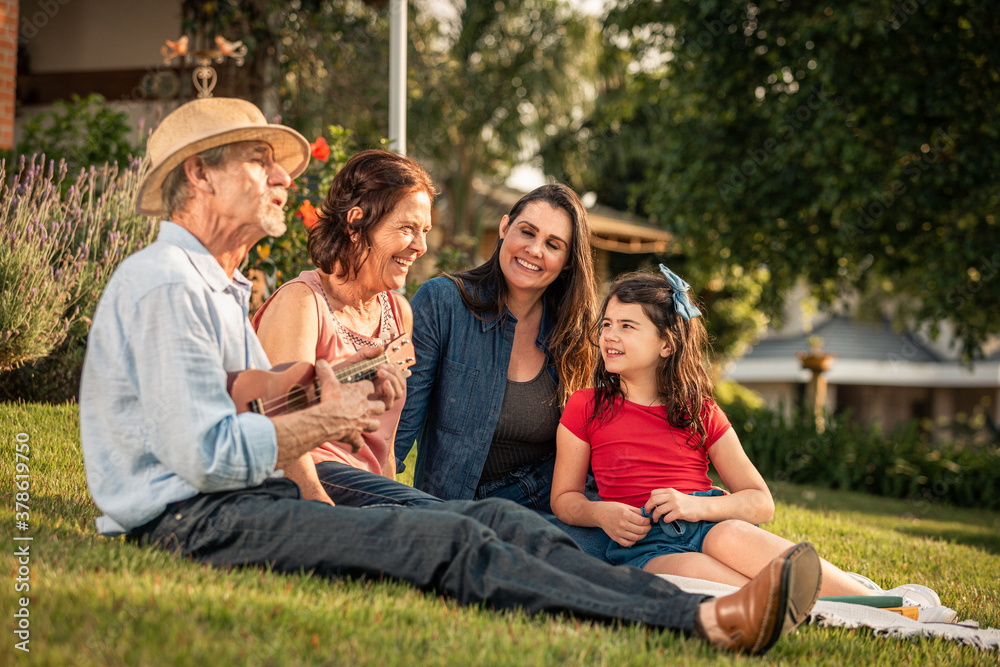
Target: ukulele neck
363	370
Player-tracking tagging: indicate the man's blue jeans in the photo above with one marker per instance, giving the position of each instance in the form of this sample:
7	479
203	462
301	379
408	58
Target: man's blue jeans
490	551
529	487
360	488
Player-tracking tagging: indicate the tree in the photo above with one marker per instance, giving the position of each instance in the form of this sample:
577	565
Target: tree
486	89
314	62
335	65
853	144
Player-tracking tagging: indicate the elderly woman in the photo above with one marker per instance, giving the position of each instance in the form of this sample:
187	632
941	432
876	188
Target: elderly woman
372	226
499	350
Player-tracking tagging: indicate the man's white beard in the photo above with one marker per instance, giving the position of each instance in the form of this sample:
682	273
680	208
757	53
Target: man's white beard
274	223
272	220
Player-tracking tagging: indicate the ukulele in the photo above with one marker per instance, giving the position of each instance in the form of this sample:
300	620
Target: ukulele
294	386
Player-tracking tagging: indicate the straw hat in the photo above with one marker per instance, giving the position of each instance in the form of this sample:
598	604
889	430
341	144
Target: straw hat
207	123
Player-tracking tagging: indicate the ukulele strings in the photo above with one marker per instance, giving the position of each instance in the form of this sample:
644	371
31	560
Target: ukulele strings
291	396
361	368
302	391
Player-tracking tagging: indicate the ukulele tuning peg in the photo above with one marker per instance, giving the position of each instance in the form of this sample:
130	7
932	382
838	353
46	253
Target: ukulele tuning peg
395	348
409	359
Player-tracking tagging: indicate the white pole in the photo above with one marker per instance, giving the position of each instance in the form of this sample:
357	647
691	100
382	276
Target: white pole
397	76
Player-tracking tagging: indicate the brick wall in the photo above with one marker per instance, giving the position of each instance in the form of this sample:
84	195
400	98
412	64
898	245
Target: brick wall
8	70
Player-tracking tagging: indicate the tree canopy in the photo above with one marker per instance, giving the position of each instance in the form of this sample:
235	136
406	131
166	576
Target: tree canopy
486	89
485	86
854	144
315	63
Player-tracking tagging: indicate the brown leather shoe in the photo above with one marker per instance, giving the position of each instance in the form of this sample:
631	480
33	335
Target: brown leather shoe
774	602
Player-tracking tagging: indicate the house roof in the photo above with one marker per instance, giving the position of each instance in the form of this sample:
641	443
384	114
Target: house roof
610	229
848	339
864	354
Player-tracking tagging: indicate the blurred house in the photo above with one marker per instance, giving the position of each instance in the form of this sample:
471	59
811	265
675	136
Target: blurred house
111	47
53	49
878	374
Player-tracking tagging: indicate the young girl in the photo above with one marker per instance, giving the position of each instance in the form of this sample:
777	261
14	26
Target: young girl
650	451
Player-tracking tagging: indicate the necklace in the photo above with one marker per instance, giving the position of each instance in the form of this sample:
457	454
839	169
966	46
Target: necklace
387	324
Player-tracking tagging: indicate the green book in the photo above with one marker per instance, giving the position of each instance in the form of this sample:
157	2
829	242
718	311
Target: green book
880	601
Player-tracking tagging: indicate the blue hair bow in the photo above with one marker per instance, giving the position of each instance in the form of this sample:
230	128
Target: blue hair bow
682	304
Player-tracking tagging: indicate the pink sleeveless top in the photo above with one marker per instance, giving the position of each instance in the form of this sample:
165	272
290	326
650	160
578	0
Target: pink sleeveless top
333	346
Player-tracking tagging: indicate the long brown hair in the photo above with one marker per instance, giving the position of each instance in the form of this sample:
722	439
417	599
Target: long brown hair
572	295
682	381
374	180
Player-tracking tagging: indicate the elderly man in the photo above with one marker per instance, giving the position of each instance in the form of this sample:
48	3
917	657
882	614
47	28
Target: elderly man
172	464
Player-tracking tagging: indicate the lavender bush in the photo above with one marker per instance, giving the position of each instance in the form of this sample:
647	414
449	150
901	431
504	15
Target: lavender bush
57	253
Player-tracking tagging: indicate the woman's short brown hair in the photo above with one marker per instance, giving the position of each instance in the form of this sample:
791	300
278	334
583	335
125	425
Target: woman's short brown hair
375	181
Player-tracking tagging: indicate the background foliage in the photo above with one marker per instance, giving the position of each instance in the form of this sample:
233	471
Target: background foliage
904	463
852	144
82	132
67	220
487	88
57	253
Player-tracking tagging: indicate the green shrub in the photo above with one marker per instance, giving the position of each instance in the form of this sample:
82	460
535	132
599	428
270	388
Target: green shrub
860	457
57	253
81	132
37	269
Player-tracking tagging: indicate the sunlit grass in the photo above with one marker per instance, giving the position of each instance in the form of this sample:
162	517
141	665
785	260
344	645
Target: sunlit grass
99	601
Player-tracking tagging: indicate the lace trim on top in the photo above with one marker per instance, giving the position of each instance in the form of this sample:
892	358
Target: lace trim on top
387	324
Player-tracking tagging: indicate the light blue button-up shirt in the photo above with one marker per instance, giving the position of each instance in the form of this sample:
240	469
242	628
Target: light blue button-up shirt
156	421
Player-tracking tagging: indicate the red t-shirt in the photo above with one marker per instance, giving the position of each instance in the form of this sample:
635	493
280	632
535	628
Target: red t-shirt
636	450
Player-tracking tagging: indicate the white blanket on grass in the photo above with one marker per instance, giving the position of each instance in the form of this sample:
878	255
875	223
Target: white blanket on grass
887	623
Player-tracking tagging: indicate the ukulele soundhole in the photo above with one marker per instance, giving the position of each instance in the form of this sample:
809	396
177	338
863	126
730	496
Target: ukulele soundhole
297	398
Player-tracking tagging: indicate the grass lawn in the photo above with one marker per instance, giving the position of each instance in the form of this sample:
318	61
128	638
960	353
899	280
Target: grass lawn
99	601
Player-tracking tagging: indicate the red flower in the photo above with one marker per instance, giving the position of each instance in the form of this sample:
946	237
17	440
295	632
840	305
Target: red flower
320	149
308	214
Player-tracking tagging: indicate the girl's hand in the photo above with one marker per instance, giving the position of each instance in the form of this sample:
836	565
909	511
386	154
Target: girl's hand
670	504
623	523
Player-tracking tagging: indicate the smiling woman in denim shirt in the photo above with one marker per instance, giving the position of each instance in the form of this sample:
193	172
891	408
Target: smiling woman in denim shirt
499	349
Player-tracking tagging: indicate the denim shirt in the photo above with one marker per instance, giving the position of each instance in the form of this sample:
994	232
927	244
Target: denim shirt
456	390
156	421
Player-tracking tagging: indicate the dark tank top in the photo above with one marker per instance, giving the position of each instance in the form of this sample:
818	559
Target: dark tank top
526	430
